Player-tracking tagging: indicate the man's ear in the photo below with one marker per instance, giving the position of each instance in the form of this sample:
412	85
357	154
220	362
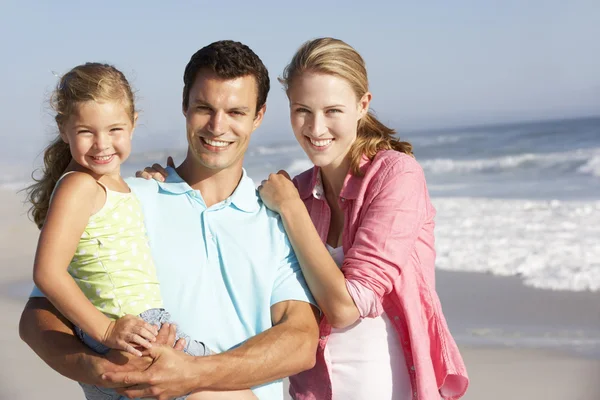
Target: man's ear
259	117
184	109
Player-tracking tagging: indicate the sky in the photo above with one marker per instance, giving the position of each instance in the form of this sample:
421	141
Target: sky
430	64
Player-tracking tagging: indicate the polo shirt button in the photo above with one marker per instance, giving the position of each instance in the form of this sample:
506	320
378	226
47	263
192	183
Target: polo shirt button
412	367
396	318
343	199
323	337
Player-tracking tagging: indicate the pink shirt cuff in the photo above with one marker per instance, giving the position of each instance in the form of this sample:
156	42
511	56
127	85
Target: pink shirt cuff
365	299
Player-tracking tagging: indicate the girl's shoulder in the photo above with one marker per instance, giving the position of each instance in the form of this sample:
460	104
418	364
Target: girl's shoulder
78	188
77	184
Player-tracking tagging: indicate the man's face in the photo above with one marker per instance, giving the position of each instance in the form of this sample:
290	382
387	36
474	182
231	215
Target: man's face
220	118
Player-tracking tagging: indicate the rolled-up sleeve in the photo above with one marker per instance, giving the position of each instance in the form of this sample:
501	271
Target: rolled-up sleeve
396	210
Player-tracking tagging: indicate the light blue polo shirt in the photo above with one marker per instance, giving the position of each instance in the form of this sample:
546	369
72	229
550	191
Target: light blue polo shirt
220	268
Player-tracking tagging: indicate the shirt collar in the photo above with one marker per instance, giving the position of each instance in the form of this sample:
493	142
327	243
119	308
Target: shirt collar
174	183
243	197
349	190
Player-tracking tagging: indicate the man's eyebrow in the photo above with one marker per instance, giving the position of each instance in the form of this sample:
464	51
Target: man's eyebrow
241	108
201	102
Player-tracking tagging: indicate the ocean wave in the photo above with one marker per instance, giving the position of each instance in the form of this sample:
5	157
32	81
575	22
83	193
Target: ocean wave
298	166
585	161
591	167
549	244
274	149
426	140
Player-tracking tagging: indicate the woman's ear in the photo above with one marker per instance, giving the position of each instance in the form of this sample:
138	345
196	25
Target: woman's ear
363	104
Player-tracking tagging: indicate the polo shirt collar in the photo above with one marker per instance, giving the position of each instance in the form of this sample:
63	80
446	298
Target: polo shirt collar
243	197
174	184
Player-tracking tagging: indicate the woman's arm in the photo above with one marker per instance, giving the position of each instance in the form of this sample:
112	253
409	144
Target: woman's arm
324	278
382	245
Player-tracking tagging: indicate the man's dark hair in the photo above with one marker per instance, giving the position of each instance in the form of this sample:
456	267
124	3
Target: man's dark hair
228	60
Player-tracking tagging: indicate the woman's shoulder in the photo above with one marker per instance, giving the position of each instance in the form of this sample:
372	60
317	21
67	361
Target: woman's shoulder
392	160
304	180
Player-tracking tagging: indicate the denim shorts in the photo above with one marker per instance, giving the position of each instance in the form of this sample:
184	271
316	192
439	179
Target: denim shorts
154	316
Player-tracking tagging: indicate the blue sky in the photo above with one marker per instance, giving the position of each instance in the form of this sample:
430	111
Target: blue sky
431	64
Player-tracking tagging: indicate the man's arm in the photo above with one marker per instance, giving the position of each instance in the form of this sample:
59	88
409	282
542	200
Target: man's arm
51	337
287	348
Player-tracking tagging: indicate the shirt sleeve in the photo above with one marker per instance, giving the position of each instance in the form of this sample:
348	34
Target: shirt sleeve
386	236
289	281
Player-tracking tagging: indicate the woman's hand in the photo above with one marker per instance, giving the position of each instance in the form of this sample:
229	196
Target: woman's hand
156	171
278	191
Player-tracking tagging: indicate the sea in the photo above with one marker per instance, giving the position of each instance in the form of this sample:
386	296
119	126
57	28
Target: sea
518	199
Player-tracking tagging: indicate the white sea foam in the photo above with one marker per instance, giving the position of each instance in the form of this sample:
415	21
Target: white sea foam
591	167
269	150
590	158
550	244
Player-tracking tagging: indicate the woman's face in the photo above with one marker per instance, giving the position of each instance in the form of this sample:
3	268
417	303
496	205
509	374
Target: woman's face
324	113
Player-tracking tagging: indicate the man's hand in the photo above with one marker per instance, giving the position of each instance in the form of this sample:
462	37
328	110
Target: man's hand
156	171
166	377
124	362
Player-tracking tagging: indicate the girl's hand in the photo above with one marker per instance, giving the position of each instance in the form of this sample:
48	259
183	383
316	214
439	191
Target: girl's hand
129	332
278	191
156	171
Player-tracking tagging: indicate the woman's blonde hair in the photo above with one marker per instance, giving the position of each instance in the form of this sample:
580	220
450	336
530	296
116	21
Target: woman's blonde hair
87	82
335	57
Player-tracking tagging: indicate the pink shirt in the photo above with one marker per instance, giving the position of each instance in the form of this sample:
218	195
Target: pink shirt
389	263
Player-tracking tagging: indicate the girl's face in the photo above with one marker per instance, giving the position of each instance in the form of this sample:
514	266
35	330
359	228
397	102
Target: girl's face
324	113
99	136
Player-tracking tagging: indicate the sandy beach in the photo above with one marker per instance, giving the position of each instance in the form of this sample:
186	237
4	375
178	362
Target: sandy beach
518	342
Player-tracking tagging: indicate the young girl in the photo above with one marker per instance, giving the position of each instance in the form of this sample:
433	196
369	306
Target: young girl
361	224
93	261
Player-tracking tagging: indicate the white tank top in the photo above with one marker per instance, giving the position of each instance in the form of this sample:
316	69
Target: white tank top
367	361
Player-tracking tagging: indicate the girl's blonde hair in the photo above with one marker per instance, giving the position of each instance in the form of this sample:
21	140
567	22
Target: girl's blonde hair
335	57
87	82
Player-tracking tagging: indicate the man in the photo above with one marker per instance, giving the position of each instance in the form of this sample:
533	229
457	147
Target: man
227	271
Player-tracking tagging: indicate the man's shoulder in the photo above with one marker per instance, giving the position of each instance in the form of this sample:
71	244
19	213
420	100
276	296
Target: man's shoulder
141	185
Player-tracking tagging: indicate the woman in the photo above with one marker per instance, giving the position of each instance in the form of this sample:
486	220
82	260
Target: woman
361	224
